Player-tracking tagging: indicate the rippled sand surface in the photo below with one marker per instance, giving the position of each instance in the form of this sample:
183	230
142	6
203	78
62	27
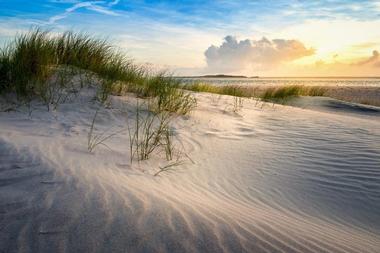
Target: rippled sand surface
264	179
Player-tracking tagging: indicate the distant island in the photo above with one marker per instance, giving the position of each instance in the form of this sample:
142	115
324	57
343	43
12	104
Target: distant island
219	76
222	76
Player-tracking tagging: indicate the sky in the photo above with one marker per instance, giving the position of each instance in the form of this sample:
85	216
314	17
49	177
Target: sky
253	38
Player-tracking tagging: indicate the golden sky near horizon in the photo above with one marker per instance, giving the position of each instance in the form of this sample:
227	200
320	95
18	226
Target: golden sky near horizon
266	38
344	47
327	48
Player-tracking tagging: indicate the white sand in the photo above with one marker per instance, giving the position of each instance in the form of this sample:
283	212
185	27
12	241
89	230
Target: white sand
266	179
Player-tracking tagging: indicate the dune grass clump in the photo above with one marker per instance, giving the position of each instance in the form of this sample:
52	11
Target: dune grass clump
40	64
314	91
203	87
165	94
97	58
231	90
31	60
281	93
168	96
150	132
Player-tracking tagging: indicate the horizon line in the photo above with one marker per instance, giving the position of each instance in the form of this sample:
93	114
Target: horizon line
258	77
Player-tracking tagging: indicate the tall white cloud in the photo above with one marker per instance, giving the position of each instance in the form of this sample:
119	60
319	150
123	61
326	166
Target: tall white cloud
234	55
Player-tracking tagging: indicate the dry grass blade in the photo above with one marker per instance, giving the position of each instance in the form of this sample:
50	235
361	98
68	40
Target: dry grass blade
169	167
94	139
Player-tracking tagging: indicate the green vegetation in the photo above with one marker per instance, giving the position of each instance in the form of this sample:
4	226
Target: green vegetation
274	94
150	131
32	59
167	94
43	65
239	91
282	93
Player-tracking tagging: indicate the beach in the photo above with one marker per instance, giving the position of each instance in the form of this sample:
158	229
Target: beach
257	177
360	90
189	126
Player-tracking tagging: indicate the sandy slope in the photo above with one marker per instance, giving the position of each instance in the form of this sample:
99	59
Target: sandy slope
265	179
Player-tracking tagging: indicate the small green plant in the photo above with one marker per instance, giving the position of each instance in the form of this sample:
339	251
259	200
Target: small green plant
151	131
165	94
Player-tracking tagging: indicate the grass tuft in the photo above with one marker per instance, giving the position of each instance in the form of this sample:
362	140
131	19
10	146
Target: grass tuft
150	132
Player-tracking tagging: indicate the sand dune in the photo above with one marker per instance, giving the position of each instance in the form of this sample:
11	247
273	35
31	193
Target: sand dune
265	179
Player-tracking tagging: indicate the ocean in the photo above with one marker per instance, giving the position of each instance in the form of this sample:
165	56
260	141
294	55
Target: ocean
349	81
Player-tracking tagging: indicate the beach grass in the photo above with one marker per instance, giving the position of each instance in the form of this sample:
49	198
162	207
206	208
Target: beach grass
167	94
149	132
282	93
269	93
32	64
232	90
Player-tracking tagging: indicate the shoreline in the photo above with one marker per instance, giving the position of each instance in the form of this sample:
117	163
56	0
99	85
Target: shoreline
367	95
284	77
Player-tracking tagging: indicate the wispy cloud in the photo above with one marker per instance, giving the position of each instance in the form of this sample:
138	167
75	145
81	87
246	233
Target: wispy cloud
115	2
102	10
96	6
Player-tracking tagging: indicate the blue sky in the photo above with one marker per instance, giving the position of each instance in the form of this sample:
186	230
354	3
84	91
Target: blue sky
176	34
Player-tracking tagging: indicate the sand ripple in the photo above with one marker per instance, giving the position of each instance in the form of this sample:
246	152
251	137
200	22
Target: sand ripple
264	180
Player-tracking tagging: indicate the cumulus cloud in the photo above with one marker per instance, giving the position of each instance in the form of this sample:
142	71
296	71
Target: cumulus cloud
234	55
